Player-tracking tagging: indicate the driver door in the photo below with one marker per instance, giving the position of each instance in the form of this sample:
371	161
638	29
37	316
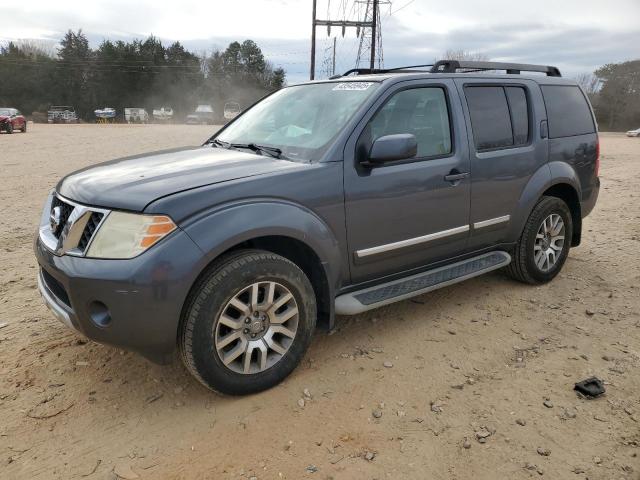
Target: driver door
408	213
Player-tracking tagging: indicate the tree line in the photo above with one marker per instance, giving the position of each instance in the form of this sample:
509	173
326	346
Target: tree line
137	73
614	90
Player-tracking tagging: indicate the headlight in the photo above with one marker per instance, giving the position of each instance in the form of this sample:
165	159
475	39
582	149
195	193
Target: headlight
126	235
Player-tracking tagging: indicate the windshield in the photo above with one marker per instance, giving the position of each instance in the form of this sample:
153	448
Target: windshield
5	111
300	120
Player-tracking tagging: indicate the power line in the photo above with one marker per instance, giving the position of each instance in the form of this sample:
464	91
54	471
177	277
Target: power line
404	6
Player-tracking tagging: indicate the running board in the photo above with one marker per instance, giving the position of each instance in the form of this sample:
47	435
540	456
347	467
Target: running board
403	288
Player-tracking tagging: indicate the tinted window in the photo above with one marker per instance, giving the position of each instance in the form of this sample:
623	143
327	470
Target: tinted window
519	114
489	117
567	111
422	112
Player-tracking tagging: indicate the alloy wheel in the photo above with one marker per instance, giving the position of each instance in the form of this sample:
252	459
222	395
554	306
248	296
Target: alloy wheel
549	242
256	327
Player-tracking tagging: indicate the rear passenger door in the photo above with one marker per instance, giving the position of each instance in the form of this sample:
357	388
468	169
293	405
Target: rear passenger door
503	121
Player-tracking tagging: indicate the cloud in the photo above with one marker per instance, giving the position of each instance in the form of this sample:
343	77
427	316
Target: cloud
575	35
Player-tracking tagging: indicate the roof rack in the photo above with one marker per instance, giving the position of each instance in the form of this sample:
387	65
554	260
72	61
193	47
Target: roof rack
369	71
452	66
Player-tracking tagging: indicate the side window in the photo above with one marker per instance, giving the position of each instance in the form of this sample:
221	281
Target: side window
499	116
422	112
567	110
489	117
517	98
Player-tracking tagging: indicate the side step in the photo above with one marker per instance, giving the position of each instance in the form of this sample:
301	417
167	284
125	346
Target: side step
403	288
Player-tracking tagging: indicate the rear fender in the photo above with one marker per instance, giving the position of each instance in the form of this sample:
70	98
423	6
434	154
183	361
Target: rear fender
548	175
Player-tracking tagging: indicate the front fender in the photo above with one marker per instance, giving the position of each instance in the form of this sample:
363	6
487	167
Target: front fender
229	225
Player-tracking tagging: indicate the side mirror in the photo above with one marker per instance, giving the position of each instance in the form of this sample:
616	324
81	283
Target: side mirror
393	147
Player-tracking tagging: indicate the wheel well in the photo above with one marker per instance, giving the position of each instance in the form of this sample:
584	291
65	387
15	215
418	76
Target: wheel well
567	193
305	258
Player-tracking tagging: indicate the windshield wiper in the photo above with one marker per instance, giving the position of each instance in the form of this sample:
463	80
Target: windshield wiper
220	143
275	152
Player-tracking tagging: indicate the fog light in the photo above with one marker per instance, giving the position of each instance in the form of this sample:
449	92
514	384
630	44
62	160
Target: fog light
99	314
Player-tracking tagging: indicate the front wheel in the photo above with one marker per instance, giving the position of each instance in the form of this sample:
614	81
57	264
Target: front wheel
248	322
9	128
544	245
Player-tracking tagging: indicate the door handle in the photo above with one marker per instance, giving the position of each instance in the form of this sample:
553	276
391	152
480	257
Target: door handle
455	178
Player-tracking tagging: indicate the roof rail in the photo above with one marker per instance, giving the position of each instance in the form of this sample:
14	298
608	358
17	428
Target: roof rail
369	71
451	66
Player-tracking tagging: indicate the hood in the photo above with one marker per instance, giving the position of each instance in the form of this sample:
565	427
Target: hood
132	183
3	118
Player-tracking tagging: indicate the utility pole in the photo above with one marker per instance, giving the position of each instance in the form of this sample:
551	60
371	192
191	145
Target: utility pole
373	35
312	74
333	63
368	23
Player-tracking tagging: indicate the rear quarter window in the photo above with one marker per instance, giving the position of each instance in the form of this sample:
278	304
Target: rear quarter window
568	112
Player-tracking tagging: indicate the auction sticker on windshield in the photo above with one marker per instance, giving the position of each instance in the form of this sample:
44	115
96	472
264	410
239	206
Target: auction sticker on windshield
353	86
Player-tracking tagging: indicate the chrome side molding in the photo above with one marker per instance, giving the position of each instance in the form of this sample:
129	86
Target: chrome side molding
411	241
491	221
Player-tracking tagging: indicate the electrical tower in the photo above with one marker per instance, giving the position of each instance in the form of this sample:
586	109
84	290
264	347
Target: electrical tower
370	48
367	29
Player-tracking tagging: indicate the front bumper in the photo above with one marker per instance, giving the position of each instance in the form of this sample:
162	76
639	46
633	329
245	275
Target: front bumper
133	304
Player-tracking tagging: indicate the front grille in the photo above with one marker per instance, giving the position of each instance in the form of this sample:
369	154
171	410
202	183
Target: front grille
89	230
78	224
65	212
56	288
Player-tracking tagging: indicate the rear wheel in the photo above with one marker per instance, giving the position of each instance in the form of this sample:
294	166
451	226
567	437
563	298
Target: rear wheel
24	127
248	322
544	245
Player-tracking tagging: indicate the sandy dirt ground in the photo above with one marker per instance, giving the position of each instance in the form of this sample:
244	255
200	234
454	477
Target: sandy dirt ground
478	381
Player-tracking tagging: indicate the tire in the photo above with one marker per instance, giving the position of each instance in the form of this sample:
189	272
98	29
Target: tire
530	247
229	283
9	128
24	127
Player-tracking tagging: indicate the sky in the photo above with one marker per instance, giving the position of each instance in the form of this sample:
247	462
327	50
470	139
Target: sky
576	35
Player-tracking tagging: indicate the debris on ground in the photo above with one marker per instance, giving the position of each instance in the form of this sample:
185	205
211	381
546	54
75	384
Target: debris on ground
590	388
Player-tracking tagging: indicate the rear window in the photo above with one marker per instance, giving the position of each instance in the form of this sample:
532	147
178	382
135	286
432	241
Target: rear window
499	116
567	111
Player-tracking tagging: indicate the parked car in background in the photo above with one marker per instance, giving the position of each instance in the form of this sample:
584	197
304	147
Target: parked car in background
105	115
330	197
231	110
203	115
163	114
634	133
11	119
62	114
136	115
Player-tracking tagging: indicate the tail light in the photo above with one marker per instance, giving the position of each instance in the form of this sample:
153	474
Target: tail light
598	157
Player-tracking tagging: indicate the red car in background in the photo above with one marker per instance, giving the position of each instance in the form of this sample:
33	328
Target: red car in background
11	119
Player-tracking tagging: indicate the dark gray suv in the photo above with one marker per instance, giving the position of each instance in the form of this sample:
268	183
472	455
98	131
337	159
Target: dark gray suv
331	197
